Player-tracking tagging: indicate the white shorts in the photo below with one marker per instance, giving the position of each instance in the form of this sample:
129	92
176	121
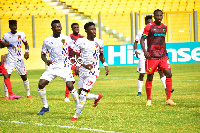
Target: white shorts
18	65
52	72
141	66
86	81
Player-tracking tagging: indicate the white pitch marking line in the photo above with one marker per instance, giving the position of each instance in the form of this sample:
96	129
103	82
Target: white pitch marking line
41	124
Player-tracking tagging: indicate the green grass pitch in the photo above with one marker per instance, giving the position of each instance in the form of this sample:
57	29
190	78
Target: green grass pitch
120	110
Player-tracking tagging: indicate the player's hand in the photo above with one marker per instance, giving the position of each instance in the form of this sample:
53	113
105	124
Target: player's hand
77	70
107	71
147	55
89	66
26	55
48	62
137	54
14	48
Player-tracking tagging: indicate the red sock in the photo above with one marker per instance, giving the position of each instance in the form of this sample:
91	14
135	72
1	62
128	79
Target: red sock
148	89
67	92
9	86
169	87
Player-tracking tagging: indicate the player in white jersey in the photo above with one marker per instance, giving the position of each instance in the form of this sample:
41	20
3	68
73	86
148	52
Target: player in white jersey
141	64
15	58
91	50
59	65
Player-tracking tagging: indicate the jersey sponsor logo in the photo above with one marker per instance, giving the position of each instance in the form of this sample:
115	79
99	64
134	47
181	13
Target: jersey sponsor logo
159	34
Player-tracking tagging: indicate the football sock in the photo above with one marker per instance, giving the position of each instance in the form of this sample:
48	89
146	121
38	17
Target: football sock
26	85
79	108
5	90
92	96
169	87
163	79
42	94
9	86
140	85
67	92
148	89
74	94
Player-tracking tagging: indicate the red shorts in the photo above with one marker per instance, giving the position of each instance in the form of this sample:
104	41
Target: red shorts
151	66
3	70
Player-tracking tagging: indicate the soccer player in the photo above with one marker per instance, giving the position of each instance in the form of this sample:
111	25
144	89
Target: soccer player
59	65
4	72
156	56
74	36
91	50
15	59
141	64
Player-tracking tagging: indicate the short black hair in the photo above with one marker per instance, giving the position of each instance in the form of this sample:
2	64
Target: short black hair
53	22
158	10
73	24
88	24
12	22
148	17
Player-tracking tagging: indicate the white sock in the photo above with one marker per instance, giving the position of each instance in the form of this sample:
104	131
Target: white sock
74	94
42	94
92	96
140	85
79	108
163	79
26	85
5	90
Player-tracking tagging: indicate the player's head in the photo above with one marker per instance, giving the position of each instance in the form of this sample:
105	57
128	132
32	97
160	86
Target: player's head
56	27
90	29
75	28
158	16
148	19
13	25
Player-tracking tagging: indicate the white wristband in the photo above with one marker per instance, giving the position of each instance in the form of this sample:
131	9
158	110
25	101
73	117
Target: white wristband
105	64
26	50
135	50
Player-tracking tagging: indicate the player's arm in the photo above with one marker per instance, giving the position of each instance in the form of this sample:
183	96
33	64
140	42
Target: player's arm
44	58
26	55
135	48
102	59
7	44
144	36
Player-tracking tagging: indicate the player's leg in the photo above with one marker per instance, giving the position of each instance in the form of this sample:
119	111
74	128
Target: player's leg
73	92
151	67
165	66
67	95
42	94
80	106
26	85
141	70
162	78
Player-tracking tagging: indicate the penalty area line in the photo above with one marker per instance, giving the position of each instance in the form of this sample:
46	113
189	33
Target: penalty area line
41	124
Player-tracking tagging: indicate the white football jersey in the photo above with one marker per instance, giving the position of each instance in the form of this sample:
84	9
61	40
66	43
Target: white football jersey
90	51
16	40
58	49
138	38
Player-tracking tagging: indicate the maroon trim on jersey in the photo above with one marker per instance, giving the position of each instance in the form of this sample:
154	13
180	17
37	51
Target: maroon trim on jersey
76	37
156	40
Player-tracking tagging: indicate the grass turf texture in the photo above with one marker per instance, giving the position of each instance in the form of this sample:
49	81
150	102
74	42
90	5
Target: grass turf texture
119	110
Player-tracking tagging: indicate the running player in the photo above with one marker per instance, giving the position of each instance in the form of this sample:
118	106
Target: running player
91	50
15	59
74	36
141	64
5	73
156	56
59	65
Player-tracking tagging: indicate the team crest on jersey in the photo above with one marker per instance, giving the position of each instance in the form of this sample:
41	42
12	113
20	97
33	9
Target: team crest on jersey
150	69
139	69
19	36
63	40
96	44
164	30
